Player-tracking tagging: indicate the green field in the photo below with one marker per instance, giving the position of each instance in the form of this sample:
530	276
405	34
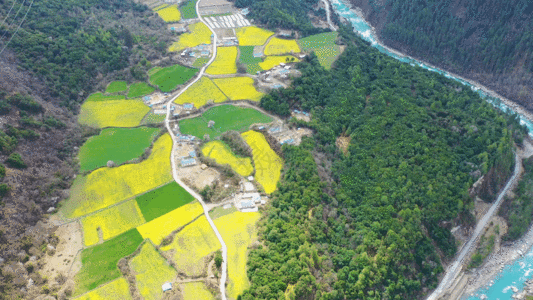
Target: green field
100	262
152	118
116	144
116	87
101	97
188	11
163	200
247	58
324	47
140	89
226	117
200	62
167	79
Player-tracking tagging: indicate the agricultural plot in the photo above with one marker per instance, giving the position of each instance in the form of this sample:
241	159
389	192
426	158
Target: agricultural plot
238	88
191	246
324	47
116	144
277	46
223	155
238	231
152	118
225	62
226	117
163	200
101	97
267	163
108	186
252	36
99	263
199	34
112	221
272	61
116	87
201	92
151	272
188	11
112	113
140	89
167	79
170	14
200	62
196	290
247	58
160	7
115	290
161	227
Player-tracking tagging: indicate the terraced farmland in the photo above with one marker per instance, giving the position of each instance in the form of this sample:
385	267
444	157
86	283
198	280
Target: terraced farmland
324	47
272	61
277	46
111	221
140	89
199	34
170	14
247	57
151	272
167	79
238	231
101	97
112	113
192	246
201	92
225	62
99	263
117	87
116	144
115	290
238	88
196	290
252	36
188	11
159	228
226	117
108	186
267	163
223	155
163	200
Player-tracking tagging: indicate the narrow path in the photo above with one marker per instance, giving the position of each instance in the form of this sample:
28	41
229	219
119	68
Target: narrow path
455	268
173	159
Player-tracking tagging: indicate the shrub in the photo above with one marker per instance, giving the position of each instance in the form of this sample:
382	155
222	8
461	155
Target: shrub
25	102
15	161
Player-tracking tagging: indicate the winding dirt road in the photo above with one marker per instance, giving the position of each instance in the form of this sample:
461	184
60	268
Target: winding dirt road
174	164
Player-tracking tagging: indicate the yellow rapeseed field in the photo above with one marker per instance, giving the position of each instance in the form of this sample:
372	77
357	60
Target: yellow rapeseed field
272	61
238	231
201	92
267	163
239	88
252	36
112	221
107	186
191	246
113	113
278	46
114	290
195	290
159	228
221	153
225	62
151	272
170	14
200	34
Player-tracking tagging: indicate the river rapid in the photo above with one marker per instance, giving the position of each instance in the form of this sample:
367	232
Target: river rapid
513	276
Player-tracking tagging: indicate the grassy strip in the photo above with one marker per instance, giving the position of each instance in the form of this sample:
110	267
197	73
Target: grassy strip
116	87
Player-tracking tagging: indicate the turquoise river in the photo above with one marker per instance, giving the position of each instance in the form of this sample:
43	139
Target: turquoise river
512	276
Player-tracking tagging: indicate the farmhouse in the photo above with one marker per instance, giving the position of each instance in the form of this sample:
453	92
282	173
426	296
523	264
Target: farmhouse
247	204
187	162
211	7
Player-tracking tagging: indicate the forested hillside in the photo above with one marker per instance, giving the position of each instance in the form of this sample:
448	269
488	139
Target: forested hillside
485	40
374	223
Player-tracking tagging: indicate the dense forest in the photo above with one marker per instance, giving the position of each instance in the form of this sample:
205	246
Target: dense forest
485	40
285	14
374	223
70	44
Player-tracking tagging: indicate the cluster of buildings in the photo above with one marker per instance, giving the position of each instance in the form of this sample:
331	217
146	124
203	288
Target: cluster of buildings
249	199
187	161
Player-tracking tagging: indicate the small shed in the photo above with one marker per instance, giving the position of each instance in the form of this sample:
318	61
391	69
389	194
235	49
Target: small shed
167	286
211	123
